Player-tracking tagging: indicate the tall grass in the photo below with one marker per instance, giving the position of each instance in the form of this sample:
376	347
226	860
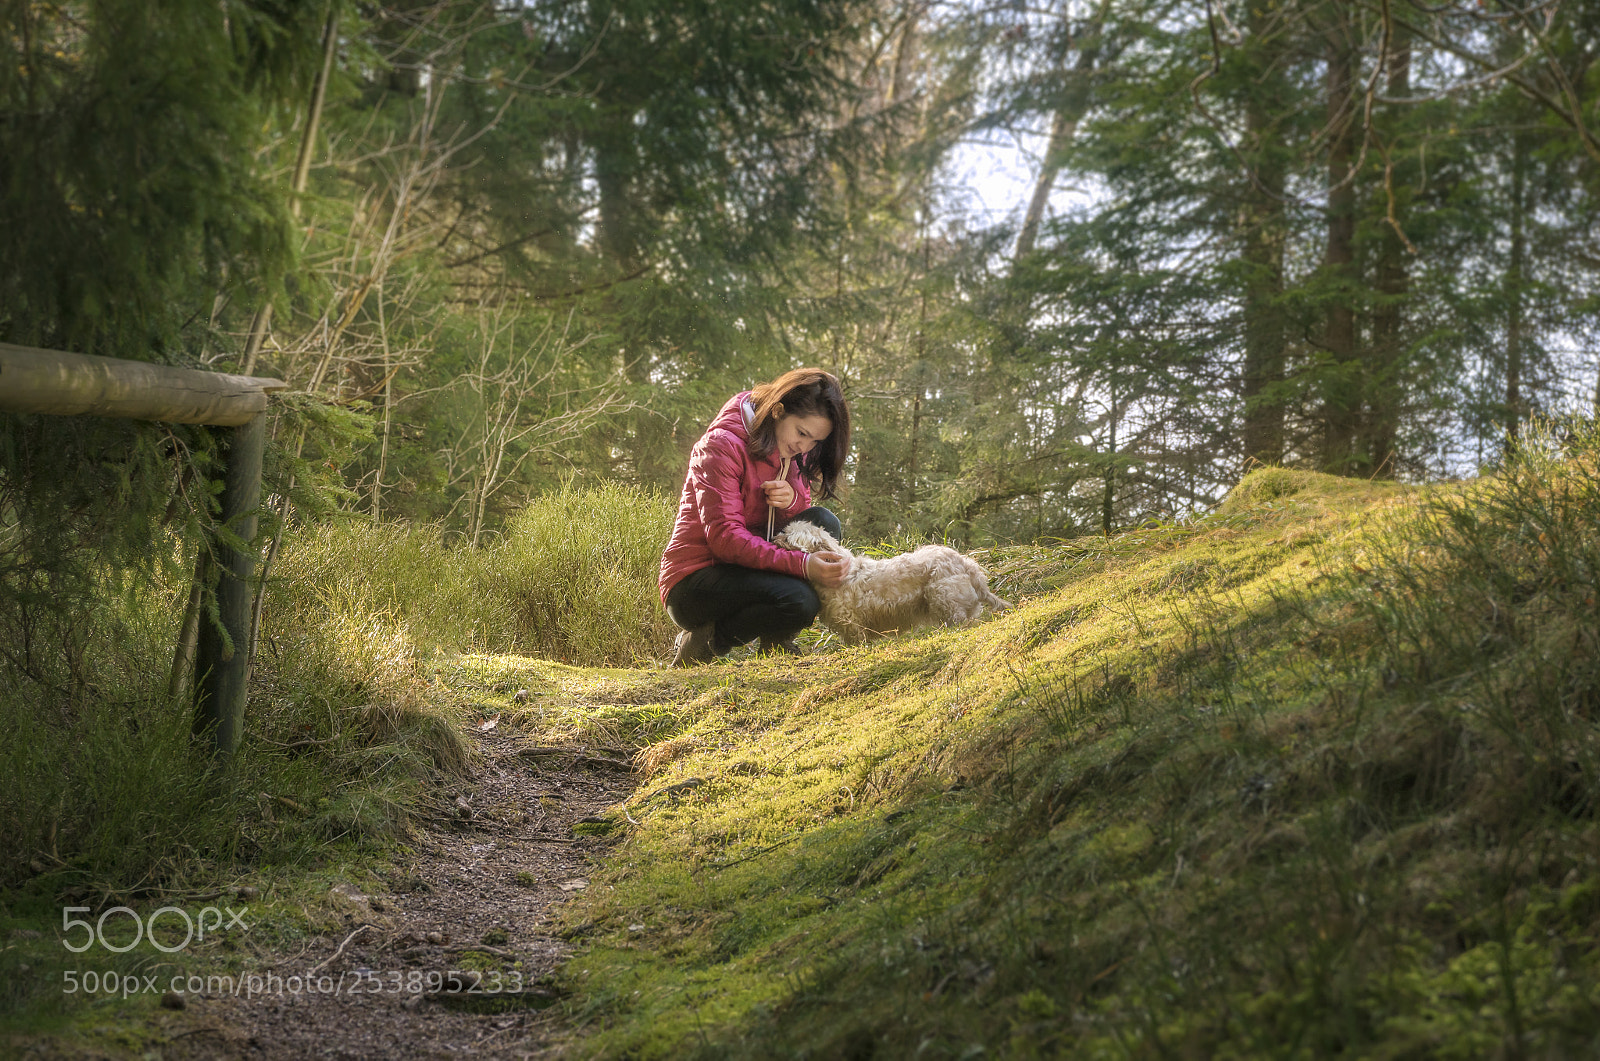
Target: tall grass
95	759
577	571
572	579
105	793
103	790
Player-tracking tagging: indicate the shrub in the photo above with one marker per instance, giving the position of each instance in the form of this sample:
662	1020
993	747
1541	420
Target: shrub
577	570
573	579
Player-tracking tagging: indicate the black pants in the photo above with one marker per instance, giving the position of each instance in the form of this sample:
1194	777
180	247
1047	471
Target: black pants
746	603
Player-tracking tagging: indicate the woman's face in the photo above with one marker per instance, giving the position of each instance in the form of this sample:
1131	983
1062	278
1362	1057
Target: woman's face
800	434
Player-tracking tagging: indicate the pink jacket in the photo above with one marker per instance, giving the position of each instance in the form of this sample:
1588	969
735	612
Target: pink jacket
722	501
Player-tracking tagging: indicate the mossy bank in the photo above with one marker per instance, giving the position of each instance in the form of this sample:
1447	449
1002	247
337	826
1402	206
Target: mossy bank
1312	776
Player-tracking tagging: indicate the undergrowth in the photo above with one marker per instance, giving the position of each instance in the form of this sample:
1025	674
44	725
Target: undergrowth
573	578
1313	776
100	782
351	734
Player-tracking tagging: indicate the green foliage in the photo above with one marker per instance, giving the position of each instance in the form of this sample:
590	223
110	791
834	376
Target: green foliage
577	571
103	787
106	785
82	508
636	170
105	792
1266	485
126	166
135	208
1366	276
573	579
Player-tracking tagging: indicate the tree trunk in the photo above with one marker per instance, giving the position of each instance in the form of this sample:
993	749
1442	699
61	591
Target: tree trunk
388	410
617	238
918	368
647	441
1074	104
1342	377
900	76
1108	499
1515	323
1062	130
262	321
1265	335
1388	319
188	630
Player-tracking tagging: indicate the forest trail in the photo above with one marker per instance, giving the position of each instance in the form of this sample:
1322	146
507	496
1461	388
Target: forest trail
452	961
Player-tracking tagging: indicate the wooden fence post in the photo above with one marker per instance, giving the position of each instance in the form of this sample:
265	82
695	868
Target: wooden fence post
189	630
222	663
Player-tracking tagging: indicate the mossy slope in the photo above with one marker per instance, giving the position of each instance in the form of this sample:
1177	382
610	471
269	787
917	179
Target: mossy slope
1314	775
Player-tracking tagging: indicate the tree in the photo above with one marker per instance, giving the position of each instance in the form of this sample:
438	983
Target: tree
657	193
128	137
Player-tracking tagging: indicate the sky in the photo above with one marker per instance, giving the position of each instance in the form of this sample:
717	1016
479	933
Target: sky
989	178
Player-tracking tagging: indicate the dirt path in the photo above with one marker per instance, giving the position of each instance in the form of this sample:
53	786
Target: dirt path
476	901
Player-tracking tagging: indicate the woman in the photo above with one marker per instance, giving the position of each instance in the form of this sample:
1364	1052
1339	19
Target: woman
722	580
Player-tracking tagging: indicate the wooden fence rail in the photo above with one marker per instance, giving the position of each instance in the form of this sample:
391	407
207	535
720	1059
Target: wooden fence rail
53	381
58	383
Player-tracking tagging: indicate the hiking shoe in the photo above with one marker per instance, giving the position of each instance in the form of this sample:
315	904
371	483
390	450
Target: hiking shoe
694	646
790	647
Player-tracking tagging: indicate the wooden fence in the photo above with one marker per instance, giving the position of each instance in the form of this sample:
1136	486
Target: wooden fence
57	383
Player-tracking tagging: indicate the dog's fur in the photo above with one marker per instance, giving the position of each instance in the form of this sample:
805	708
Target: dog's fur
935	584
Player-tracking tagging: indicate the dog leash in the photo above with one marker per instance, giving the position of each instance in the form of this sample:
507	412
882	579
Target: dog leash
772	510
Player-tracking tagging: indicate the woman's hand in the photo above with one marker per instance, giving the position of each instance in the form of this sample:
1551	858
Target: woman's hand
827	569
780	495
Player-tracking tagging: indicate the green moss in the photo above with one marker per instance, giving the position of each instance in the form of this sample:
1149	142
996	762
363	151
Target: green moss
1265	486
1240	787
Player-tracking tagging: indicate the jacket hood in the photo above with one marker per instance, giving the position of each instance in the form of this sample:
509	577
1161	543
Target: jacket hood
731	418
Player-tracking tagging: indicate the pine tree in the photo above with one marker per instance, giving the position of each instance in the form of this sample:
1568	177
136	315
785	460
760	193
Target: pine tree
132	198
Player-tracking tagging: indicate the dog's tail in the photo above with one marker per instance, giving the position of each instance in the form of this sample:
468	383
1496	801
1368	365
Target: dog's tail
980	579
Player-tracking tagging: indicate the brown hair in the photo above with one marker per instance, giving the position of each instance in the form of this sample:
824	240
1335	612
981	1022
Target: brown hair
804	392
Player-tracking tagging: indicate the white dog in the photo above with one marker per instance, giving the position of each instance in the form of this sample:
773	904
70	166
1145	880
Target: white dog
934	584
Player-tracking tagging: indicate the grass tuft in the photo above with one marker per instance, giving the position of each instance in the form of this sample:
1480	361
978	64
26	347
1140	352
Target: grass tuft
577	571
